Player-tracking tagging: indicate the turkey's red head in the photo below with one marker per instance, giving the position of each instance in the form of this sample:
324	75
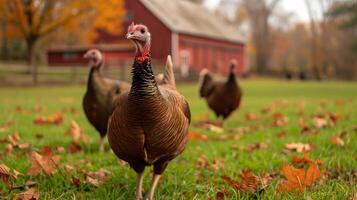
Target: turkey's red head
95	57
141	37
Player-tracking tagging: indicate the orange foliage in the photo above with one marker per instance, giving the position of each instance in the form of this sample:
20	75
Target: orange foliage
298	179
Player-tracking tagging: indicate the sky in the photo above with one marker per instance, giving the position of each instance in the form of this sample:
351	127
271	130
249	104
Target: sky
297	7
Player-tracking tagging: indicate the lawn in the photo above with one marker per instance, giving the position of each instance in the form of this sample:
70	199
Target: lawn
185	178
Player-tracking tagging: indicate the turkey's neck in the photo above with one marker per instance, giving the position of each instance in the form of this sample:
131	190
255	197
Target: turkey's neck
94	79
143	80
231	76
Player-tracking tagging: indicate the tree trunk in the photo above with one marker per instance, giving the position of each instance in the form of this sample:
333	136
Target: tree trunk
4	42
31	59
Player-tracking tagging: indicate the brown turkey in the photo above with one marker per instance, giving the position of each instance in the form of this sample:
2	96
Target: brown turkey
99	98
222	96
150	124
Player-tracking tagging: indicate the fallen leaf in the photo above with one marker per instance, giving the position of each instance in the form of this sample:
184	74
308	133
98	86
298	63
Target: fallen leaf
251	116
68	168
216	164
228	137
299	147
249	182
298	179
301	160
96	178
4	172
256	146
77	133
220	195
210	125
30	194
5	126
56	118
14	138
319	122
337	140
75	181
279	119
46	162
197	136
74	148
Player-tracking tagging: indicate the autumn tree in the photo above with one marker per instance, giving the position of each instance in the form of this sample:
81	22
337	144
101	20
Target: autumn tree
35	19
346	13
259	13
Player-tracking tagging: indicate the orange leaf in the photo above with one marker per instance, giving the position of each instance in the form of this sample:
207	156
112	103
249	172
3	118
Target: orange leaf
197	136
46	162
77	133
30	194
337	140
298	179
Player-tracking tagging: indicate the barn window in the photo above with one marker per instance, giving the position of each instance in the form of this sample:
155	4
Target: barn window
185	63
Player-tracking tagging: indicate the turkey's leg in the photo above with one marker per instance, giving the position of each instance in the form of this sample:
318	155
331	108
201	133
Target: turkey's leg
139	186
155	181
101	144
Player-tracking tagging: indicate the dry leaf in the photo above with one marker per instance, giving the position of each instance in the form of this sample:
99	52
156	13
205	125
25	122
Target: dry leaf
301	160
4	172
46	162
220	195
256	146
68	168
251	116
279	119
337	140
299	147
96	178
319	122
77	133
74	148
197	136
30	194
298	179
5	126
249	181
56	118
75	181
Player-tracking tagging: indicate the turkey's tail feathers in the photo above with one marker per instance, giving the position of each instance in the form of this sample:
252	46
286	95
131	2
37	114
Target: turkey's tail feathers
205	82
169	76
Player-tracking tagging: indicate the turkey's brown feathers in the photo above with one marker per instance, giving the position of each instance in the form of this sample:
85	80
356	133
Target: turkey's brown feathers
150	124
222	96
98	101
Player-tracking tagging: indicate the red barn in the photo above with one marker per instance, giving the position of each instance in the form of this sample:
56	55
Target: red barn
194	37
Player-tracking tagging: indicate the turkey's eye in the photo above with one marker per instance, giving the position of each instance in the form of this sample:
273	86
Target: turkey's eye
142	31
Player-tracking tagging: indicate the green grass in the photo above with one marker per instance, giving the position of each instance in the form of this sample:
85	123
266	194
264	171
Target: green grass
179	178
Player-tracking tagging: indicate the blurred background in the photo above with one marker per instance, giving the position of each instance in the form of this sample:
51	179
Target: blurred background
43	41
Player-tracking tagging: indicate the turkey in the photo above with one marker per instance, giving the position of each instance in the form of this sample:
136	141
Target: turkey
99	98
150	124
222	96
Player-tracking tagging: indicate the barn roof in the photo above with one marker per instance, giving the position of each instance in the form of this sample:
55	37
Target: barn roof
183	16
